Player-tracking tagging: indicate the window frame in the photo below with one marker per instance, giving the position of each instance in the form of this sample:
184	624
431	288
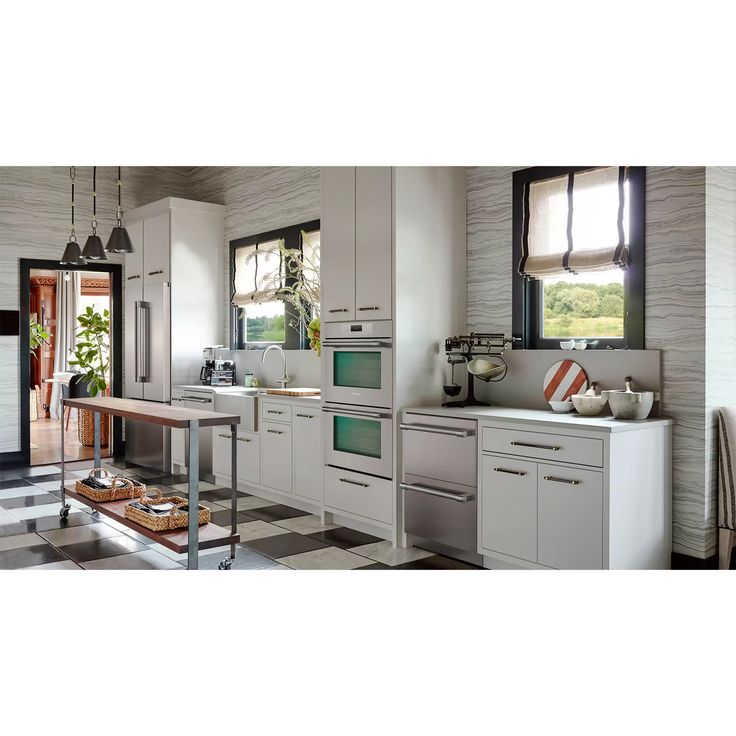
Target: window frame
295	338
527	317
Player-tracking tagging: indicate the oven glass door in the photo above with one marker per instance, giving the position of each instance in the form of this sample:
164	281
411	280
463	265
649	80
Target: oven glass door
361	441
358	375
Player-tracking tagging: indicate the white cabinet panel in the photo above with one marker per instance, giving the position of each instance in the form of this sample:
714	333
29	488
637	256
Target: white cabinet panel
337	242
276	461
275	412
373	227
134	260
359	494
157	248
133	294
178	448
308	465
570	518
508	510
248	445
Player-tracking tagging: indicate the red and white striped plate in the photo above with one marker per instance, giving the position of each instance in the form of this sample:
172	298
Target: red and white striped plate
563	380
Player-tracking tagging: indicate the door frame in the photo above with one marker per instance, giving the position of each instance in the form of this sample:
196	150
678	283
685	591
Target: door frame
116	344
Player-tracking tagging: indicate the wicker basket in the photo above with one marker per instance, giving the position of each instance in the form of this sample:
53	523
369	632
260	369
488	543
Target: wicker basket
120	489
166	522
86	428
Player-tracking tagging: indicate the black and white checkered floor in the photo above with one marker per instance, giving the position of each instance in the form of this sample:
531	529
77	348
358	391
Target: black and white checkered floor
273	536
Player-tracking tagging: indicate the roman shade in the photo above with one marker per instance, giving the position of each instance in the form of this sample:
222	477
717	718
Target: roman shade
575	223
258	274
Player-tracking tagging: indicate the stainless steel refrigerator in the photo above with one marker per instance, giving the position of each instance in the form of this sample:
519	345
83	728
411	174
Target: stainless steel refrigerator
173	305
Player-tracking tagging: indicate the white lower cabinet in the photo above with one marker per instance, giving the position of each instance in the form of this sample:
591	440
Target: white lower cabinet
276	461
359	494
248	456
309	479
509	507
570	518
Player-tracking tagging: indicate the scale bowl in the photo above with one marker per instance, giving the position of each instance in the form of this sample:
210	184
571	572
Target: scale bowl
452	390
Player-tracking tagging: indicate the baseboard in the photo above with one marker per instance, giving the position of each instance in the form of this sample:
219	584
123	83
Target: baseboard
686	562
13	459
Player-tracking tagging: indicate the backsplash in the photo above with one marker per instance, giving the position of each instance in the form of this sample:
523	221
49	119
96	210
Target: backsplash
303	365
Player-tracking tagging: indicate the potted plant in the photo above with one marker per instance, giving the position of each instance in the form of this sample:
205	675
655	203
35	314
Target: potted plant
92	357
37	337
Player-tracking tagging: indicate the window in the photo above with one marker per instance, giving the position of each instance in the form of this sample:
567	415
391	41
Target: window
264	280
578	253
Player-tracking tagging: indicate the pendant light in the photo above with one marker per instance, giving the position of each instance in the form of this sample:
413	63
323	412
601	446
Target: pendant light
72	253
93	249
119	239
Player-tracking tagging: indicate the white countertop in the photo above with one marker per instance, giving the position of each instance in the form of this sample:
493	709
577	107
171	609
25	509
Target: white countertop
542	417
261	393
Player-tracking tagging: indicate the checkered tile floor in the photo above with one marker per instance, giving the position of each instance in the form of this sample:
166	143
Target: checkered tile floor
273	536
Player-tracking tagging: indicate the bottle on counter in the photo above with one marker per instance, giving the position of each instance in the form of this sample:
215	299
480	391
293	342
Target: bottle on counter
248	379
255	382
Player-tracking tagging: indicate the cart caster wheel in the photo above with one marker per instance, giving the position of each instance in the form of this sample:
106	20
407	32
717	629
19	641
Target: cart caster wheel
226	564
64	512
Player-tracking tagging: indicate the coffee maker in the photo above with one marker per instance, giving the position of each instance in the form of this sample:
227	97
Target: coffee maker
208	355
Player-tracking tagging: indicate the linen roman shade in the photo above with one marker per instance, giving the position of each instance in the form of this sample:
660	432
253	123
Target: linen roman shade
258	274
575	223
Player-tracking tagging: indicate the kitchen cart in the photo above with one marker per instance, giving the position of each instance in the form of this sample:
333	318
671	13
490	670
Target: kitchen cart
179	540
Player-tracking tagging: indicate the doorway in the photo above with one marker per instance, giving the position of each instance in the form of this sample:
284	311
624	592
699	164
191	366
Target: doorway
52	302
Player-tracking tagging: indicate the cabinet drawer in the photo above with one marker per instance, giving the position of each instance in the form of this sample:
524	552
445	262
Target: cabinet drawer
362	495
570	518
508	507
276	456
275	412
545	446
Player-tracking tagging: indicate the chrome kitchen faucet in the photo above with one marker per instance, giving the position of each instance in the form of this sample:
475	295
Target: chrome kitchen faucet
285	378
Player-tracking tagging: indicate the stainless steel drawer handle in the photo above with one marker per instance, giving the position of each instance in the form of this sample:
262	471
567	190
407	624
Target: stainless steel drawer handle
306	416
357	344
226	436
137	276
555	448
351	413
155	273
510	472
458	497
196	399
369	309
431	429
242	439
335	311
274	431
354	482
562	480
273	411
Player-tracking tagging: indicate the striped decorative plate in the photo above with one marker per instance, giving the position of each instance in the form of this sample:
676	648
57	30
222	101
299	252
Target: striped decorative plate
563	380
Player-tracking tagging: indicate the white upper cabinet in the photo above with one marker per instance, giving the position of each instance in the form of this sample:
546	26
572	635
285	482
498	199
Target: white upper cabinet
337	243
356	238
157	241
134	260
373	242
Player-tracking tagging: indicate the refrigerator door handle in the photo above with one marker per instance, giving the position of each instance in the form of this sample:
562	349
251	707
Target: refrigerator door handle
142	342
137	342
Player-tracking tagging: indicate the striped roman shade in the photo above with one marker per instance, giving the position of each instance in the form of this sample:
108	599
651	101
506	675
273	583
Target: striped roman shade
726	467
575	223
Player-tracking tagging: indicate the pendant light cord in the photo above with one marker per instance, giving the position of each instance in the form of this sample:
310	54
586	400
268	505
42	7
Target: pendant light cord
72	177
120	206
94	200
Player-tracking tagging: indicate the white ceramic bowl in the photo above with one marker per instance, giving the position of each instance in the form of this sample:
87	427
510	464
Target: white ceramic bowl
567	344
588	406
485	369
561	407
630	404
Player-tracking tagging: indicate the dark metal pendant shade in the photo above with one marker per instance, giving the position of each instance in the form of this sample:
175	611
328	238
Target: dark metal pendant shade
119	241
93	249
72	255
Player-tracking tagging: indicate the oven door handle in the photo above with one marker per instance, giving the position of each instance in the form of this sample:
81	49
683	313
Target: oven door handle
356	344
356	413
449	495
432	429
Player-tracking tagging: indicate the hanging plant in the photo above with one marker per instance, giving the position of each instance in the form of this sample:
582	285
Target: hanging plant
92	351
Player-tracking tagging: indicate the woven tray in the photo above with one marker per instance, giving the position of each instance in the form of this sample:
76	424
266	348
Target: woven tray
120	489
174	520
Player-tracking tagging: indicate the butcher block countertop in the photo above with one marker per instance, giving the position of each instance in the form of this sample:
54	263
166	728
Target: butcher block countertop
152	412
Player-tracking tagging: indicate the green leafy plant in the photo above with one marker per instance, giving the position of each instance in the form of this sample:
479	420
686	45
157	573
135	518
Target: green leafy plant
38	336
92	351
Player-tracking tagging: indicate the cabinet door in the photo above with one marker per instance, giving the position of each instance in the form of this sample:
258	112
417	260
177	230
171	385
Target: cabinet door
156	242
249	457
570	518
508	511
133	294
373	263
276	456
178	448
221	449
337	243
308	461
134	260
